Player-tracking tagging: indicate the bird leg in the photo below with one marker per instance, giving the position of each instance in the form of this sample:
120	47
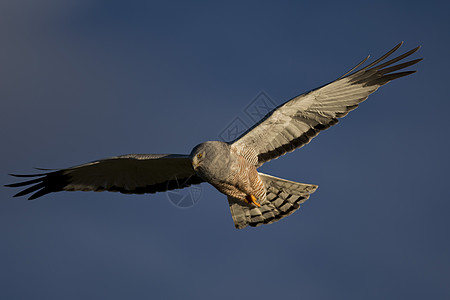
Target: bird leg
251	199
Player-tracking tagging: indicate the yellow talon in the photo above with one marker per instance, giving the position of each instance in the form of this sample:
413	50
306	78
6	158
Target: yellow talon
252	199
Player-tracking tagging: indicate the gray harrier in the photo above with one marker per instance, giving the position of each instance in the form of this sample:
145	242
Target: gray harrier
255	198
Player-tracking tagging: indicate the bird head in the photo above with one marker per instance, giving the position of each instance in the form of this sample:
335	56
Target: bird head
197	159
209	158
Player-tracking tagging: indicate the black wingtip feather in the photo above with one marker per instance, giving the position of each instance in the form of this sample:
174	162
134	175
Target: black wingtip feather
396	59
27	175
17	184
374	67
389	77
30	189
39	193
355	67
381	74
400	66
384	56
46	183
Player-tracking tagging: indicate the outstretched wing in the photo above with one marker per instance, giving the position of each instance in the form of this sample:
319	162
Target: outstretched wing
129	174
296	122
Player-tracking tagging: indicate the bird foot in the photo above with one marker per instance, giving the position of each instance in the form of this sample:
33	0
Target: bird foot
251	199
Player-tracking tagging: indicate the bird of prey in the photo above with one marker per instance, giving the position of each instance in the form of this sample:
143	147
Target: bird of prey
231	167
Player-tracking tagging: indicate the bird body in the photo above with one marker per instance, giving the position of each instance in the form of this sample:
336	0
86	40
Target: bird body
254	198
230	169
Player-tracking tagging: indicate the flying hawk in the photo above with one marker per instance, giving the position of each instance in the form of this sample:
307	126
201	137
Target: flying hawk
254	198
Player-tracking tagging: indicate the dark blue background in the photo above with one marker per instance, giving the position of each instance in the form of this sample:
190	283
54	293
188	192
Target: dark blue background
82	80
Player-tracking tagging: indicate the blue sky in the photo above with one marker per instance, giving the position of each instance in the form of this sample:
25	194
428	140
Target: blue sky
83	80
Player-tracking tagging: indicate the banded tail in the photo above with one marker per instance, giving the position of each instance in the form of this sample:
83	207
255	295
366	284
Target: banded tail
282	199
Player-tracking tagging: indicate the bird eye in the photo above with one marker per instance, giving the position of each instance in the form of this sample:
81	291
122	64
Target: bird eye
200	155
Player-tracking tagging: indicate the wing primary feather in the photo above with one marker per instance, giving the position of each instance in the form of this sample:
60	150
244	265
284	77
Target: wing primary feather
394	60
28	182
386	78
384	56
40	193
30	189
355	67
399	66
27	175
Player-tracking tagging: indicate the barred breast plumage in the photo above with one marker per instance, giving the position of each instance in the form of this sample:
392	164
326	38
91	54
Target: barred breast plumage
245	176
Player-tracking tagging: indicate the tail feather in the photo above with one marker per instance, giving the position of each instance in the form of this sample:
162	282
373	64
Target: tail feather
283	198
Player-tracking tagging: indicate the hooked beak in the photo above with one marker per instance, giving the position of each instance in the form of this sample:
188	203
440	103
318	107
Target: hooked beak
194	163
